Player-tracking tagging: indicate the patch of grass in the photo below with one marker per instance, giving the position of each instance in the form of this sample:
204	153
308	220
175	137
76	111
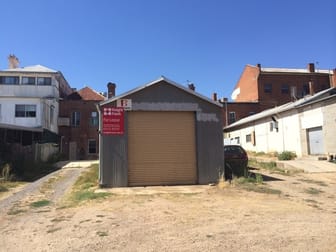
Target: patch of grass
6	185
40	203
102	233
316	182
270	166
3	188
255	185
85	186
313	191
286	155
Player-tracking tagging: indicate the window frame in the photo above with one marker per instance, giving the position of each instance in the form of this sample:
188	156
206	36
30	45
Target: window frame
268	88
26	111
90	146
94	120
75	118
233	118
284	89
44	82
4	80
28	78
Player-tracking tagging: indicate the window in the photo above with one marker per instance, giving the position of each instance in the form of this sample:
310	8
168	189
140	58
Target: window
92	146
44	81
75	118
9	80
305	89
268	88
24	110
274	126
94	119
51	114
285	89
232	117
28	80
248	138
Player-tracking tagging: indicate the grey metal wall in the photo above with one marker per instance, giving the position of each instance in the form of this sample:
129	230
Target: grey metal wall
166	97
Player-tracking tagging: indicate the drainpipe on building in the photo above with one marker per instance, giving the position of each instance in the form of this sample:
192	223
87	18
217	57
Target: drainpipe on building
100	174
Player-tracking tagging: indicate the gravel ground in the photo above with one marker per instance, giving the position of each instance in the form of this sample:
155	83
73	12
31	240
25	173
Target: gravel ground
191	218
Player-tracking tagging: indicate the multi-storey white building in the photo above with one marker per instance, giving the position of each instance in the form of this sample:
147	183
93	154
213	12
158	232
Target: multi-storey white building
29	102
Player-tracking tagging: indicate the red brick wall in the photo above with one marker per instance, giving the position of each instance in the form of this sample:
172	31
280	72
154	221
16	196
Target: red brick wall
241	110
80	134
276	97
248	85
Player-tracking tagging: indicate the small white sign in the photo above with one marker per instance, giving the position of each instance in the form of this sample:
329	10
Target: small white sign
124	103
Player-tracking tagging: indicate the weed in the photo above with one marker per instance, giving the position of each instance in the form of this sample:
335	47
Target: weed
102	233
53	230
40	203
286	155
83	189
255	185
313	191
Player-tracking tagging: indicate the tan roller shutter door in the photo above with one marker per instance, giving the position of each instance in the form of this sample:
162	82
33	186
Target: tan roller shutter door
161	148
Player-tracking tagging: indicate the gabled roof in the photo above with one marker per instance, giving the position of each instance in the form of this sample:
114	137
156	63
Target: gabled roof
168	81
32	69
88	94
325	94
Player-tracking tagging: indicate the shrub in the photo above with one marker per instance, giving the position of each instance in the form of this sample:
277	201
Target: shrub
286	155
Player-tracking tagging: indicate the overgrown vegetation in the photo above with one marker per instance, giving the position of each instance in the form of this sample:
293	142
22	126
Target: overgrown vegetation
271	167
254	184
286	155
85	186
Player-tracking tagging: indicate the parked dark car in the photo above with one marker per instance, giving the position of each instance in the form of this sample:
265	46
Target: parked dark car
236	159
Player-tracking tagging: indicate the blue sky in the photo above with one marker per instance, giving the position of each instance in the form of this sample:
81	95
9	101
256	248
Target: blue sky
132	42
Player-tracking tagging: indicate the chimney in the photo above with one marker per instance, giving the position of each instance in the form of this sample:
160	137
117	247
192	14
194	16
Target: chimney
259	65
311	68
311	88
214	96
13	61
111	89
191	86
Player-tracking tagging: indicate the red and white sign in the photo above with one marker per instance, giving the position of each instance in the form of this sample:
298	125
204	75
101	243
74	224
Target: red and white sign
113	121
125	103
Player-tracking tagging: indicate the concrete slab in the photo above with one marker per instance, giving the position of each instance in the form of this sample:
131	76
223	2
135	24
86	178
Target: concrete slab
152	190
308	165
76	164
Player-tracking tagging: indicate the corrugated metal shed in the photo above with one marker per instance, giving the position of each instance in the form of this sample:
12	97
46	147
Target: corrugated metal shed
147	152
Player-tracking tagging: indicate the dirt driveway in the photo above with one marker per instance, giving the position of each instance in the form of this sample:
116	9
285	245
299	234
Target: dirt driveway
193	218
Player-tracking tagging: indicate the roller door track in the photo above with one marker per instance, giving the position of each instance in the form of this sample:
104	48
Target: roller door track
161	148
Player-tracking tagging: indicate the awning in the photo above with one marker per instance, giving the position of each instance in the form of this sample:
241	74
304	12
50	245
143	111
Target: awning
17	127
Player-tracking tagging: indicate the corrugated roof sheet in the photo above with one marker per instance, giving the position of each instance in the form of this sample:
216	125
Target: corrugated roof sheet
279	109
162	78
34	69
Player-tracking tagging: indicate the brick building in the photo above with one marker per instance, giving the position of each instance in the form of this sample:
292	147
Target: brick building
79	124
261	88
